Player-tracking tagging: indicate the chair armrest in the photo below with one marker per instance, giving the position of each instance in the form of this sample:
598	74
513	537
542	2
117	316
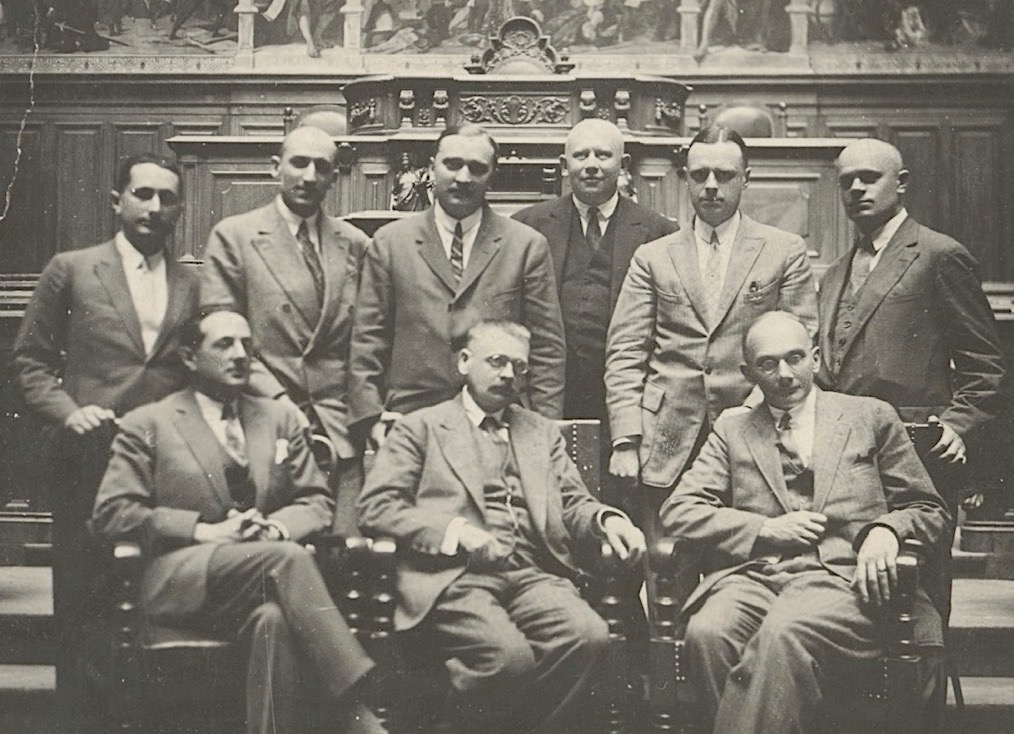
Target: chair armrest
901	620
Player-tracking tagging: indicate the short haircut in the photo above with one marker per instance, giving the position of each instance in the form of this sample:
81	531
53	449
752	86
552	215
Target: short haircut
717	134
768	316
190	334
469	130
127	164
484	326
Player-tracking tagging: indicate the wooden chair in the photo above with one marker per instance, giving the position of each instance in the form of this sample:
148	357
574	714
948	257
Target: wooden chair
415	687
891	693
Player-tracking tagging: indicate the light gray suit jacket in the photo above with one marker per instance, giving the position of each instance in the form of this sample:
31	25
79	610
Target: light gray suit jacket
667	368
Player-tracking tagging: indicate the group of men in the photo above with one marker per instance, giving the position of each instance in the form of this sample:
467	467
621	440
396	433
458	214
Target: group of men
450	341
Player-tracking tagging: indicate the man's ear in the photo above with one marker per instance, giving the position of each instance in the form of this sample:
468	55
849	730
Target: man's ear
276	163
464	359
746	177
902	181
114	196
816	359
625	162
745	369
188	359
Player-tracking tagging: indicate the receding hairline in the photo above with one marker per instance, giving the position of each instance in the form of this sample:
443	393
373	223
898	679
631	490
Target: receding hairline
310	133
776	317
873	149
608	130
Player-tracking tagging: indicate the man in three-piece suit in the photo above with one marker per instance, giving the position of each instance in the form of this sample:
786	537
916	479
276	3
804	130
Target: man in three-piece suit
903	317
428	276
221	488
592	235
797	510
486	505
293	271
673	354
97	340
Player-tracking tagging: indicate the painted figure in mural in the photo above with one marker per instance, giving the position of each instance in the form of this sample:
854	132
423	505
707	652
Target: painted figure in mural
307	19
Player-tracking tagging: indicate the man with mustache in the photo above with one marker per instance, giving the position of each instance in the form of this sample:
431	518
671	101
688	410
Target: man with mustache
797	510
97	340
222	488
293	272
903	317
429	276
487	510
673	350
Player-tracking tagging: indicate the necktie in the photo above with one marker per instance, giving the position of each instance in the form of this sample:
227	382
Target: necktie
312	260
713	275
593	235
491	427
787	442
150	304
458	252
862	259
235	441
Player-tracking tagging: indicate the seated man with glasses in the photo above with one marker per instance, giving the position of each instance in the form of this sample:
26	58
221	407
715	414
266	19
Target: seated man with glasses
484	503
797	510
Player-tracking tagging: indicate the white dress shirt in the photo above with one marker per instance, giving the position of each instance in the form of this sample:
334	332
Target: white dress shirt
803	418
211	411
149	290
469	231
606	210
726	232
293	220
882	237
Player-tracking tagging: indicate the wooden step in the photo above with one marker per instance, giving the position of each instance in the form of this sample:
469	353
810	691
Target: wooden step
982	627
28	699
989	707
26	615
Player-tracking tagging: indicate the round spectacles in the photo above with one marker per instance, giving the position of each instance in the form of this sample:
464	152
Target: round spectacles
770	365
499	361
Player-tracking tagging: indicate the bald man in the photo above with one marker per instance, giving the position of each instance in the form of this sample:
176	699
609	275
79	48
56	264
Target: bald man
592	234
903	317
293	272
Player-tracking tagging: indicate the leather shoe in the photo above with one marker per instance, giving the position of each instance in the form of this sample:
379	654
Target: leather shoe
362	720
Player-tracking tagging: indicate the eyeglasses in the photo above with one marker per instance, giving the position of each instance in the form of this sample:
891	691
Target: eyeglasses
769	365
499	361
166	197
722	175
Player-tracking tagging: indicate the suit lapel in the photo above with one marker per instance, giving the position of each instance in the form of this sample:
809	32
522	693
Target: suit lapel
745	251
260	449
454	436
109	271
179	298
280	252
894	261
626	224
532	460
431	249
487	243
199	438
683	253
761	441
557	232
334	259
830	434
830	296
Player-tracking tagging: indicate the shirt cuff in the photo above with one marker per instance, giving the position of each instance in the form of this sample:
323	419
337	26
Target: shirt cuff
282	530
449	546
606	512
626	442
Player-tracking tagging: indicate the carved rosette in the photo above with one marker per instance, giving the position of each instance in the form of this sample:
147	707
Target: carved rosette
363	113
516	109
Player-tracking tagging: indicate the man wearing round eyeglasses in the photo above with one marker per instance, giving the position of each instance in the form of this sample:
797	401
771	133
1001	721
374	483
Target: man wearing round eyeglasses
486	505
797	510
673	350
97	340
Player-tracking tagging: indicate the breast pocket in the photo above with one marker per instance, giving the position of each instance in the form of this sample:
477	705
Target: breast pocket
505	304
759	294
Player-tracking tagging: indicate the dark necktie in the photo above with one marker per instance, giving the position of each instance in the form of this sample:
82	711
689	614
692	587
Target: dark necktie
235	441
312	260
458	252
491	427
862	260
787	442
593	235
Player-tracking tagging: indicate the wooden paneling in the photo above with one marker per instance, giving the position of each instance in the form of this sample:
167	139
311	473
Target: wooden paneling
24	200
926	197
977	204
83	215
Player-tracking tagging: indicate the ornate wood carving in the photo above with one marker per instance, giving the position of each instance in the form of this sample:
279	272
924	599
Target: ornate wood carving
519	48
516	109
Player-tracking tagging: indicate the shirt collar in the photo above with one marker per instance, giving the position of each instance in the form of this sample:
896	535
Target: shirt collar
447	222
475	413
883	236
293	220
727	230
132	257
208	405
807	408
606	208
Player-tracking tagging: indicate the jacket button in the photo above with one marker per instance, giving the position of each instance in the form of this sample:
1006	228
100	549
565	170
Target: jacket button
286	307
708	370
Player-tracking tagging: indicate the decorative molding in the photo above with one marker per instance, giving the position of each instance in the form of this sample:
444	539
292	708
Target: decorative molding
363	113
516	109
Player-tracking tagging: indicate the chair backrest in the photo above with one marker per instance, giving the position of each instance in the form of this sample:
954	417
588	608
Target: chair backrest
582	437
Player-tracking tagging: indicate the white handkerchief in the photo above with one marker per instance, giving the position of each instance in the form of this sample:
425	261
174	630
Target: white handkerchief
281	451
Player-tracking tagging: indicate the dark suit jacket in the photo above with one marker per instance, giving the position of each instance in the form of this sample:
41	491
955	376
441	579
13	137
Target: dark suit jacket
865	473
667	369
632	223
166	474
253	265
425	476
409	307
80	341
921	308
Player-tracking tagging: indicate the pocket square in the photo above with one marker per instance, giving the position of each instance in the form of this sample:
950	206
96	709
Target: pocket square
281	451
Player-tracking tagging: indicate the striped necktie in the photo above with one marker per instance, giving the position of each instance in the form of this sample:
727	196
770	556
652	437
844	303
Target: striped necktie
593	235
713	275
312	259
862	263
458	252
235	441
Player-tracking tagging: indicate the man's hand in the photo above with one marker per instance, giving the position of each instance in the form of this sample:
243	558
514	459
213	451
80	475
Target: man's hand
304	422
877	567
235	528
624	462
625	539
950	449
484	551
471	538
793	531
88	418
